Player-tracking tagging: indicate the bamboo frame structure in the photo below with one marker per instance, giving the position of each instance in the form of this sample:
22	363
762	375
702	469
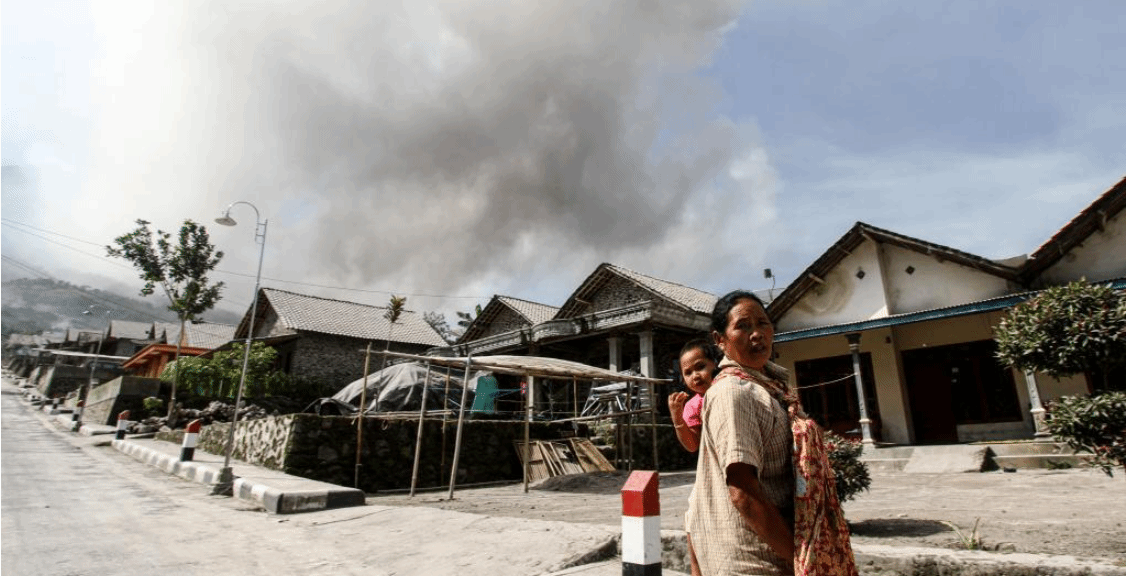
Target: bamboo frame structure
531	367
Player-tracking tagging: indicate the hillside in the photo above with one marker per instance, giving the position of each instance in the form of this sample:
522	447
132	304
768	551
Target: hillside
31	306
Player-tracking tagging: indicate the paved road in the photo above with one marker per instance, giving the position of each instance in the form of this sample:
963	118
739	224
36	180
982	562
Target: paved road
72	508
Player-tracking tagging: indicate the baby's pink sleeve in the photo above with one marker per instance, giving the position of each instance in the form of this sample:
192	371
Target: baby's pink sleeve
692	411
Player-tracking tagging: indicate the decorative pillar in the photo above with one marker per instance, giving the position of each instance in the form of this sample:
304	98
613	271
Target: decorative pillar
649	369
865	422
615	353
1036	408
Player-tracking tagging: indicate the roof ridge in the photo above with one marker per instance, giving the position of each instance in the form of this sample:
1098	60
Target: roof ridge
525	300
332	299
616	267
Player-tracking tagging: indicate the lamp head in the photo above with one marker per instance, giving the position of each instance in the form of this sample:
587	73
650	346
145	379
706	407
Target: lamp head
226	219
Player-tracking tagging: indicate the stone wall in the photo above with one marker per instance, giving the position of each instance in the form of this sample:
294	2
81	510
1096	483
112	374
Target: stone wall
264	441
338	359
507	320
670	453
324	448
107	400
57	381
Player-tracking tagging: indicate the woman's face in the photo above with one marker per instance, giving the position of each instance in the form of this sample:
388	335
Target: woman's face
749	335
697	370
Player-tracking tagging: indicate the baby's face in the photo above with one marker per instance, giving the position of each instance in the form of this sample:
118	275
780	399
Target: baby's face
697	370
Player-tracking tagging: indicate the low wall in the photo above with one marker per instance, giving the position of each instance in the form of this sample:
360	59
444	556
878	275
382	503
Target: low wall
57	381
324	448
107	400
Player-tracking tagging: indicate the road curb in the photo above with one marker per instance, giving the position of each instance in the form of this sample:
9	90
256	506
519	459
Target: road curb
271	499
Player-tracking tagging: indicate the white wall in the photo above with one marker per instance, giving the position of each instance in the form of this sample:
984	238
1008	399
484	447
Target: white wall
1102	256
934	284
843	297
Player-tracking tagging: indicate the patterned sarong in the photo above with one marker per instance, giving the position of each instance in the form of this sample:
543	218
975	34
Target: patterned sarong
821	538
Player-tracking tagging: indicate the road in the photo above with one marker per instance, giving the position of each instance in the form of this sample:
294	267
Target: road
71	507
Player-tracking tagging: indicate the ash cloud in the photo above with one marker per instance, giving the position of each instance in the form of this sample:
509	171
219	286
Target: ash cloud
435	146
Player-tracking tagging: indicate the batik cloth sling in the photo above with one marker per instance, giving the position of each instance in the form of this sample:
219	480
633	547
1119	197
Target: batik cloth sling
821	540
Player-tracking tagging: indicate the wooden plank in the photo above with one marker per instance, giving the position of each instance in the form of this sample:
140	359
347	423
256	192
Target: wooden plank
589	457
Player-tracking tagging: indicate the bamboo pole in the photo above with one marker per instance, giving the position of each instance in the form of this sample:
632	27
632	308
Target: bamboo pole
653	421
445	420
629	424
460	425
529	405
575	396
418	439
360	417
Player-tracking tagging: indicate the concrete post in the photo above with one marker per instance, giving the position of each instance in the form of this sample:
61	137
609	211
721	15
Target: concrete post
865	422
1036	408
649	370
615	343
122	424
191	438
641	525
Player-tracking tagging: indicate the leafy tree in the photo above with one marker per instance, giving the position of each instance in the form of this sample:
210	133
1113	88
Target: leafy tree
180	268
1066	330
218	376
438	322
465	319
1095	424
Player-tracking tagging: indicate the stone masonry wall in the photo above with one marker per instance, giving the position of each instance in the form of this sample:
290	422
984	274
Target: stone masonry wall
617	293
263	442
338	359
506	321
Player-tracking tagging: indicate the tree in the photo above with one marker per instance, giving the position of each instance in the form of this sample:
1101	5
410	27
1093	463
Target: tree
218	376
179	268
465	319
438	322
1066	330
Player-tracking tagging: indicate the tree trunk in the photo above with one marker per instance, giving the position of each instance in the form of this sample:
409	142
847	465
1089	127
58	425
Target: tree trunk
175	377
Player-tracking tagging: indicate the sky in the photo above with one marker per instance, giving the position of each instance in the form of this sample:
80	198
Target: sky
449	151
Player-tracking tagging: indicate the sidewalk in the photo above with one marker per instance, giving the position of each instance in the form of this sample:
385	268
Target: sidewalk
1055	506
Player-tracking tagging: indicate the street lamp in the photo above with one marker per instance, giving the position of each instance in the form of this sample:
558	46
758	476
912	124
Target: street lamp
226	476
85	395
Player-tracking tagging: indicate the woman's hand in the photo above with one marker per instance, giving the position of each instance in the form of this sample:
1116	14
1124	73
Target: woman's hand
676	406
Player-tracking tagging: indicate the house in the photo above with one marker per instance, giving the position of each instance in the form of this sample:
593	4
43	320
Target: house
322	339
617	318
198	339
910	323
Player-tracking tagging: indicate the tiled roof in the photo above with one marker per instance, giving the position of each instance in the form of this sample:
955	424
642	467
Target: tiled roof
327	316
691	298
208	335
533	311
1092	218
126	330
861	232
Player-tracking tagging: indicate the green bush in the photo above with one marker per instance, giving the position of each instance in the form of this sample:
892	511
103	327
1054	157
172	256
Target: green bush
1094	424
153	406
851	472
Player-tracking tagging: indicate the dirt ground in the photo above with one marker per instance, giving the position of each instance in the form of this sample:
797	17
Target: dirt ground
1075	512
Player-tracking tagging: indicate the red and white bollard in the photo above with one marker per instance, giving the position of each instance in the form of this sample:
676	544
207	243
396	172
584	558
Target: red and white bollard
641	525
191	436
122	424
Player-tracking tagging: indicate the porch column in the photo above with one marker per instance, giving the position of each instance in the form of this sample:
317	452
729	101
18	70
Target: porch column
1036	408
865	422
649	370
615	353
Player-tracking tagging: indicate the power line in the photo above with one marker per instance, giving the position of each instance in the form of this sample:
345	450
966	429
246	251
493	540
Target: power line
16	227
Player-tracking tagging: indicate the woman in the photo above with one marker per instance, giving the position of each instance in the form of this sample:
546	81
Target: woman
748	488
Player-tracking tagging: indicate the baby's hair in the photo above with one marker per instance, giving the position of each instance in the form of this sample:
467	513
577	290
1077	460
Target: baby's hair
710	350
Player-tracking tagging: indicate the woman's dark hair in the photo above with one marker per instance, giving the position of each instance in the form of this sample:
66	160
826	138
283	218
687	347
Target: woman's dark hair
723	308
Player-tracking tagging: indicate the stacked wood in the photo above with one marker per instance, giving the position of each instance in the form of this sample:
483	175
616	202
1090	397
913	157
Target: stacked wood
551	458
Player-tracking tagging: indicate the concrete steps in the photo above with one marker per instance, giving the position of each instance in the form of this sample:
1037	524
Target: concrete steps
991	456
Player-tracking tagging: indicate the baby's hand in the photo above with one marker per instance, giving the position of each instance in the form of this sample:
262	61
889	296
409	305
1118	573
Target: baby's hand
676	403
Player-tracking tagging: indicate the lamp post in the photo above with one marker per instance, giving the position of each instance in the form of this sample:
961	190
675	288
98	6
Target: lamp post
226	476
93	366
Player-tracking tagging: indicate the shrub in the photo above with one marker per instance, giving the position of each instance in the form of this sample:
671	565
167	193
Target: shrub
153	406
1094	424
851	472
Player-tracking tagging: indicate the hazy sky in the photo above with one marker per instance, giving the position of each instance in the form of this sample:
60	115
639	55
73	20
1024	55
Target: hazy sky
461	149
